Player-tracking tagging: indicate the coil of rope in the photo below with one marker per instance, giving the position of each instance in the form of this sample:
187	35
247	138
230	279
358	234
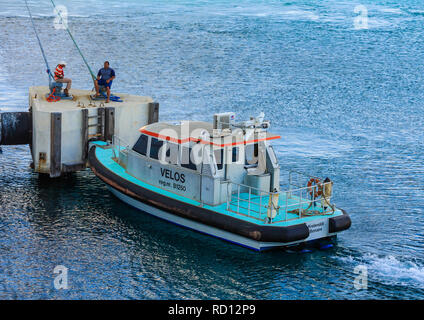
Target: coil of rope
316	189
52	97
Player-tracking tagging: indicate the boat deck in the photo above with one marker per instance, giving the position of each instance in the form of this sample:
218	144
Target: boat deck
288	209
254	211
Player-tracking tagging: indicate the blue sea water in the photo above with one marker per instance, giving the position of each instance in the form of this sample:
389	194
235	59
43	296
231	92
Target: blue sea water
348	103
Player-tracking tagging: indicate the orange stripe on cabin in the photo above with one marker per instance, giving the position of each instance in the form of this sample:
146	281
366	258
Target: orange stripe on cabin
181	141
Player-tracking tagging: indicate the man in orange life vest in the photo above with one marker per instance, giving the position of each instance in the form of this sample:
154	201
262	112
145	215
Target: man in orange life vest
59	77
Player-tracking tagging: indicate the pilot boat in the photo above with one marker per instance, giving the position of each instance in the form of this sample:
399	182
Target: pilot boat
220	178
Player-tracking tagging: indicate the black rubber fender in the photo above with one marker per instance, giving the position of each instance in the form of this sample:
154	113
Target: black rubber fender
15	128
339	223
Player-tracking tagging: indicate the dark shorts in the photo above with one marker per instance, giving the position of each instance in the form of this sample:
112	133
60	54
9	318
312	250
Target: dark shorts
103	83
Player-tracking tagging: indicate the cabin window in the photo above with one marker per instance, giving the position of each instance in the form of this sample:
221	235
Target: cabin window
186	161
219	157
235	155
172	153
141	145
155	146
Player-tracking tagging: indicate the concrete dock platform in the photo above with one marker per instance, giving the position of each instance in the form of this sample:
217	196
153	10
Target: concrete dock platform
58	132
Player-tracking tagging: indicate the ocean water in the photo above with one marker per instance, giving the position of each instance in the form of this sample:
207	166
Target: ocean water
348	103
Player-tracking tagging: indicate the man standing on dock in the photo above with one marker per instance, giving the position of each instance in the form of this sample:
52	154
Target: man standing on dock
105	77
59	76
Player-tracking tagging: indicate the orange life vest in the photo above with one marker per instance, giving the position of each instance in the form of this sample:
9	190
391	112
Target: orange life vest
58	73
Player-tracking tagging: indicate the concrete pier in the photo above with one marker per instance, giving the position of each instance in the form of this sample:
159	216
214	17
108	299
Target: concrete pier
59	132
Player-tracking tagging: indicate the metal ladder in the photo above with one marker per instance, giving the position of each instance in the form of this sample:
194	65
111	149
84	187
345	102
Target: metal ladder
98	122
103	122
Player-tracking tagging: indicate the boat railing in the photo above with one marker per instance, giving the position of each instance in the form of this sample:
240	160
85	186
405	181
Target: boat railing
118	145
297	179
274	207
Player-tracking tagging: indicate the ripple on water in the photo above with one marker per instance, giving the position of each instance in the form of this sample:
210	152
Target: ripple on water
347	103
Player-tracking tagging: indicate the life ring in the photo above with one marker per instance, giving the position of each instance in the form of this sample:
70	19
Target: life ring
314	187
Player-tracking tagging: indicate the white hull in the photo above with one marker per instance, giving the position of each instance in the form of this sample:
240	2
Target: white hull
218	233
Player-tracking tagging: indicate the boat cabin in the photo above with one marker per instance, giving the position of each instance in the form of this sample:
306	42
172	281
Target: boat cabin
205	161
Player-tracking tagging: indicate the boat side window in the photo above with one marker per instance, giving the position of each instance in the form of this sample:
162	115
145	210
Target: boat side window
172	153
235	155
219	157
141	145
155	146
186	161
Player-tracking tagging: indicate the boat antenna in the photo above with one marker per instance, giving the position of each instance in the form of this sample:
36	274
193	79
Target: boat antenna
39	43
75	43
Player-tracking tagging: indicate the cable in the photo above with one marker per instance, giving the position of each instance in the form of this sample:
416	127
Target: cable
39	43
70	34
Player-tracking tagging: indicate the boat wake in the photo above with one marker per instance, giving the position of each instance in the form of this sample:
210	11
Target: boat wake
390	269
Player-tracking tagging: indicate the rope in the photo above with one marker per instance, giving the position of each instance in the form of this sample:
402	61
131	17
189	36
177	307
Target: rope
75	43
39	43
307	212
52	97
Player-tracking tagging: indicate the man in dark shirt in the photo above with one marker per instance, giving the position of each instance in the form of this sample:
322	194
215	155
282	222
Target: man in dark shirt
105	77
